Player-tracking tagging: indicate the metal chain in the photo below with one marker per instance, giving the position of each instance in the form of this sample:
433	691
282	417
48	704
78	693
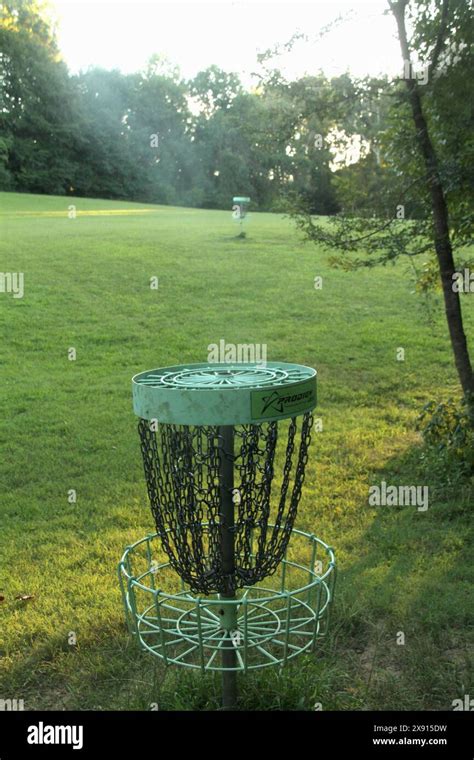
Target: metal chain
182	471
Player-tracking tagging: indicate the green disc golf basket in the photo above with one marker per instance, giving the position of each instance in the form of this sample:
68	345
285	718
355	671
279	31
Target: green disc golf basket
239	210
219	586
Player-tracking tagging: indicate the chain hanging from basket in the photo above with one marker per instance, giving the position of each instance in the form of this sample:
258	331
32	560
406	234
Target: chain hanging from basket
182	465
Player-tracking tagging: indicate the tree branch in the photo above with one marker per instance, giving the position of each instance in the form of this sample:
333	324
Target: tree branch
389	222
440	40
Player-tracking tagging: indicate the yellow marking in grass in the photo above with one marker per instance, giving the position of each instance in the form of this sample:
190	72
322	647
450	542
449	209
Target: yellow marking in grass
79	212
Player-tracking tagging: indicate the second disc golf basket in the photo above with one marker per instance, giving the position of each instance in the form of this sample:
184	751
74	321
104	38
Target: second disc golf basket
239	210
218	586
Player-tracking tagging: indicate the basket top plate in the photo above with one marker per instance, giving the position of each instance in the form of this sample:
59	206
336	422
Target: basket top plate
224	394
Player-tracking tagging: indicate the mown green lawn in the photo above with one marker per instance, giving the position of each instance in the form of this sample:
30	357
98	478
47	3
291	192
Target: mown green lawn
69	425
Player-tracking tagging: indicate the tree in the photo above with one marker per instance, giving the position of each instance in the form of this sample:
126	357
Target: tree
37	116
421	206
439	208
214	88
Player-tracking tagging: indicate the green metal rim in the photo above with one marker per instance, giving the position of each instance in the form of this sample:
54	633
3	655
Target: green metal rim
224	394
315	580
272	626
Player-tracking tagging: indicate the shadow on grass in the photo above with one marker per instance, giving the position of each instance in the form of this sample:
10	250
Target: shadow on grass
403	603
399	637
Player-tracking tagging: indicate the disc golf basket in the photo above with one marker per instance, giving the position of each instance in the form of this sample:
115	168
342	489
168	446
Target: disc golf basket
239	211
218	586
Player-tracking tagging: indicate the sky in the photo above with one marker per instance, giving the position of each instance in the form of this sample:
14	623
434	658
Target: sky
194	34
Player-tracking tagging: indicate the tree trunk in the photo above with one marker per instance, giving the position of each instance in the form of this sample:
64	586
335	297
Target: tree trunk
441	237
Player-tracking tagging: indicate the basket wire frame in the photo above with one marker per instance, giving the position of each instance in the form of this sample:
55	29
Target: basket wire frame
272	625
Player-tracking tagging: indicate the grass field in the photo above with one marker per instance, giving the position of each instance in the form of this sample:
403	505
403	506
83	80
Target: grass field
69	425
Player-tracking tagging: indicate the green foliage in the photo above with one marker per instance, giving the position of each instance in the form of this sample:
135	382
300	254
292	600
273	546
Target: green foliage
215	89
6	179
448	433
37	118
357	185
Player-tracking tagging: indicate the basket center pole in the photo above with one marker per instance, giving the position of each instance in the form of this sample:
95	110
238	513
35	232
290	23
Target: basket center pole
228	612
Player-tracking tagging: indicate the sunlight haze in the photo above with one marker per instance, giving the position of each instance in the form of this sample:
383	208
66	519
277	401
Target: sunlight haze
123	35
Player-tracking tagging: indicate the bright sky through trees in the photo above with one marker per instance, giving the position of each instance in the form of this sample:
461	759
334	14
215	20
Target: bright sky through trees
194	35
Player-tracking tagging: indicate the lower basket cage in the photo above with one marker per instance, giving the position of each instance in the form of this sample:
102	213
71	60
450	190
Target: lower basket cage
266	624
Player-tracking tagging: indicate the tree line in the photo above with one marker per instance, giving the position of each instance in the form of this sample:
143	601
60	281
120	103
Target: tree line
153	136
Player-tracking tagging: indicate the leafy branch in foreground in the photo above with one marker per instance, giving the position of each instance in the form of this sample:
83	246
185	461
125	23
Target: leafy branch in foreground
376	235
